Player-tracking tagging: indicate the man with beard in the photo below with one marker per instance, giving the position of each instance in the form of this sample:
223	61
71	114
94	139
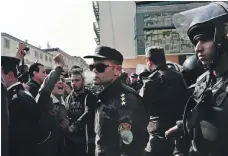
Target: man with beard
120	117
81	111
37	75
54	122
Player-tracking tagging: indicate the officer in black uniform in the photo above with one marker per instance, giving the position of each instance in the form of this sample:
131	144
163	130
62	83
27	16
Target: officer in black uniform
23	111
120	118
165	94
192	69
5	119
204	123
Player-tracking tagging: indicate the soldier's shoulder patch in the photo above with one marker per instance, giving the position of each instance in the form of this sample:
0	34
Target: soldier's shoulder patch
125	133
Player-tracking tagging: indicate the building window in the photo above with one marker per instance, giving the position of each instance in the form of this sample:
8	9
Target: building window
168	39
46	58
36	54
50	59
41	56
6	43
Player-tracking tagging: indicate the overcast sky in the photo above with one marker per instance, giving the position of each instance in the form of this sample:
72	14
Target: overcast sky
67	24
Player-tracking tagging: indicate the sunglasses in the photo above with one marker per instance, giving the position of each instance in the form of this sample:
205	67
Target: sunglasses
100	67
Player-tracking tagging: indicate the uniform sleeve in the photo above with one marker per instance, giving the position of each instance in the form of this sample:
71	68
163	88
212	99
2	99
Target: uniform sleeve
5	121
132	127
89	113
150	93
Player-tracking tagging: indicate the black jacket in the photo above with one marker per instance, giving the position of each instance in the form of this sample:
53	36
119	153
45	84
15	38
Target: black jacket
33	87
24	114
204	123
165	95
120	122
5	120
81	111
51	135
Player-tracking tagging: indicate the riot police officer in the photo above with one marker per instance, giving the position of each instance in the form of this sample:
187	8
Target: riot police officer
204	122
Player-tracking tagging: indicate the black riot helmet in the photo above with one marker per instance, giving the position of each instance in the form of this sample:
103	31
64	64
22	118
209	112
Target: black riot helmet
192	70
208	22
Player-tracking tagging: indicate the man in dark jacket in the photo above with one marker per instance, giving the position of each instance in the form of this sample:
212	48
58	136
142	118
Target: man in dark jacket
4	119
23	110
54	122
37	75
165	94
81	105
121	118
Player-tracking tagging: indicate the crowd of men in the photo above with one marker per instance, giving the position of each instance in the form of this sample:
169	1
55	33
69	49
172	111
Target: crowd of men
159	112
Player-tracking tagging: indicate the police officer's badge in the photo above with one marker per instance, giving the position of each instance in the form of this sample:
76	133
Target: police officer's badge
125	133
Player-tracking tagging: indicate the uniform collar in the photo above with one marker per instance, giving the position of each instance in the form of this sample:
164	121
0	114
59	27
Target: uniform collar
111	90
13	85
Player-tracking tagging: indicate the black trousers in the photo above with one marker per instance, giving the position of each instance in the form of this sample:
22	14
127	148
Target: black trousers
74	149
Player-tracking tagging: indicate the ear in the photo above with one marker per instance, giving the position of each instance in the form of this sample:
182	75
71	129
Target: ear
149	62
118	70
34	73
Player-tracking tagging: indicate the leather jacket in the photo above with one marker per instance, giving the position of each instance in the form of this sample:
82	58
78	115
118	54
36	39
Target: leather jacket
120	122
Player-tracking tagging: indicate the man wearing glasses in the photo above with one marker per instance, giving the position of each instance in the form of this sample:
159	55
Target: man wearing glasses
120	117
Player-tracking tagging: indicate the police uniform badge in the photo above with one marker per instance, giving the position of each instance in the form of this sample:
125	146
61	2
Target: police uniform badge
125	133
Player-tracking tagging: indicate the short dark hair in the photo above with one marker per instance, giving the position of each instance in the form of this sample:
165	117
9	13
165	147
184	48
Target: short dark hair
77	72
156	54
34	67
73	67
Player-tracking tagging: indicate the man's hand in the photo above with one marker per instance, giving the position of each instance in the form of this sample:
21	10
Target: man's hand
72	129
65	123
59	60
26	86
20	52
172	132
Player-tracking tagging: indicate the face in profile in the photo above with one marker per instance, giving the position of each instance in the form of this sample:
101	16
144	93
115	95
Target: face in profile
105	71
205	51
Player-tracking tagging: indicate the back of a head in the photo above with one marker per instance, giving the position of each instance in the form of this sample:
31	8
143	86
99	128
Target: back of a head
192	69
156	54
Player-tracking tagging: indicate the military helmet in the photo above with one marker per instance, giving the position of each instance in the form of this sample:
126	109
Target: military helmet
192	69
214	14
209	21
